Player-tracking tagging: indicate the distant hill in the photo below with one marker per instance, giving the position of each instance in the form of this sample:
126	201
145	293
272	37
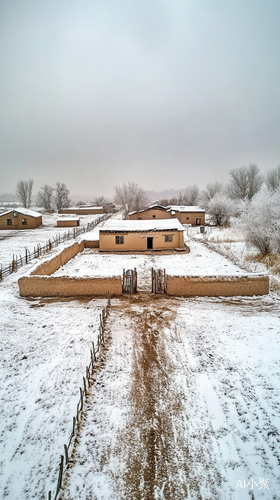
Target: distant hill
8	197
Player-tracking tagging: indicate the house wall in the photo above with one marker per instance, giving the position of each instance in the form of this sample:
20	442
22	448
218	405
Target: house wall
138	240
189	217
68	223
152	213
214	286
32	222
51	286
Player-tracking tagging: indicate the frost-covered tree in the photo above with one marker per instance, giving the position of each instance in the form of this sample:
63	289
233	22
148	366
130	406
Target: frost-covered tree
245	182
207	194
130	197
220	209
45	197
272	179
24	192
61	196
260	221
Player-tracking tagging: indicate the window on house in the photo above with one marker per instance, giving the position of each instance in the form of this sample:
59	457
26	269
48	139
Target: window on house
24	222
9	222
168	237
187	218
119	240
154	216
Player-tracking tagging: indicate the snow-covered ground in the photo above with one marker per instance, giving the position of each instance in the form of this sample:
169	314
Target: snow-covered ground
187	405
14	242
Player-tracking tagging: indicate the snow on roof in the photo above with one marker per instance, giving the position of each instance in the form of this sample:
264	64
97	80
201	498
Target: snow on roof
67	218
115	225
184	208
83	207
160	207
23	211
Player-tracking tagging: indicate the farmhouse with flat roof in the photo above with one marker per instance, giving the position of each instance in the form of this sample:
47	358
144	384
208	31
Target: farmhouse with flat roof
153	212
20	218
187	214
140	235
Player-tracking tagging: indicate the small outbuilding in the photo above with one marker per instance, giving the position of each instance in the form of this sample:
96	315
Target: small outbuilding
141	235
68	221
20	218
187	214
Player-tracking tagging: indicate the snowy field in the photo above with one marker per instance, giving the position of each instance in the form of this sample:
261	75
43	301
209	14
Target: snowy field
14	242
187	405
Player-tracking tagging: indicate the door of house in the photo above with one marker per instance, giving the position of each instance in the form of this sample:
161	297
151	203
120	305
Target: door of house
150	243
198	222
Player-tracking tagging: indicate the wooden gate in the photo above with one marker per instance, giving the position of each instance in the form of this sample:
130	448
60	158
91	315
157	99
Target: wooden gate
129	281
159	281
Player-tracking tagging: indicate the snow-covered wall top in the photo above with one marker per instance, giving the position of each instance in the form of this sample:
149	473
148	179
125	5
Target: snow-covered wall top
184	208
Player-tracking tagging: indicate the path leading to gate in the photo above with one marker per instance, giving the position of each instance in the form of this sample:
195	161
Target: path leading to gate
177	410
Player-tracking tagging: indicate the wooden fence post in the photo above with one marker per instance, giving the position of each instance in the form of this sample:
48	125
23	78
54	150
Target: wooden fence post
82	402
66	454
85	386
59	482
93	351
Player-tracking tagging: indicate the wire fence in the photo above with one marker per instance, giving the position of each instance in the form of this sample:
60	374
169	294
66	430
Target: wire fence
19	261
65	458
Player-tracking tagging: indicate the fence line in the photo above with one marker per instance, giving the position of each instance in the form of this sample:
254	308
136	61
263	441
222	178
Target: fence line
65	459
20	261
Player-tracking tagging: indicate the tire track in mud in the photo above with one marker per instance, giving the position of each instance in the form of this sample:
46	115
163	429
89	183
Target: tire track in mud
152	463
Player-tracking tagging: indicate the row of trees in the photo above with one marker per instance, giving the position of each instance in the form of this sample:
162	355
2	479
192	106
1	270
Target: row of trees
47	197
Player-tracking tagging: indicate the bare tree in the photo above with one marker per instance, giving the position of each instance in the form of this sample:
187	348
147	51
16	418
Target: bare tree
130	197
220	209
62	199
100	201
245	182
190	196
272	179
24	192
45	197
207	194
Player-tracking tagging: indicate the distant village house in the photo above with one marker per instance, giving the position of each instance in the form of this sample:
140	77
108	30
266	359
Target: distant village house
20	218
192	215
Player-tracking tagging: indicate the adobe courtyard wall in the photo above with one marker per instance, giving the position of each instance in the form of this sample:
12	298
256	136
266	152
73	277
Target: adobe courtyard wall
50	266
214	286
64	286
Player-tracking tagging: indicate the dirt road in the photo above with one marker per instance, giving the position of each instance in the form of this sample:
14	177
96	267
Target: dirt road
173	414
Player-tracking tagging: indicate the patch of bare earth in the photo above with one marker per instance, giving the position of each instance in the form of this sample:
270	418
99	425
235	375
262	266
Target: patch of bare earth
155	468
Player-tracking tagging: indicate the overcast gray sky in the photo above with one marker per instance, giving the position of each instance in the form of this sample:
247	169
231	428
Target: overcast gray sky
165	93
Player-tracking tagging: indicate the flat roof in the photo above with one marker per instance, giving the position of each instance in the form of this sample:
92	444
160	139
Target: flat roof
184	208
116	225
151	207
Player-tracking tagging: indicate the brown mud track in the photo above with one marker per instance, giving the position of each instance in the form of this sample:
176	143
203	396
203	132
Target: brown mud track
151	437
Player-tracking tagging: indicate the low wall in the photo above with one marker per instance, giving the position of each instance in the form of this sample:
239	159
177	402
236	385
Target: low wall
91	243
214	286
50	266
51	286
